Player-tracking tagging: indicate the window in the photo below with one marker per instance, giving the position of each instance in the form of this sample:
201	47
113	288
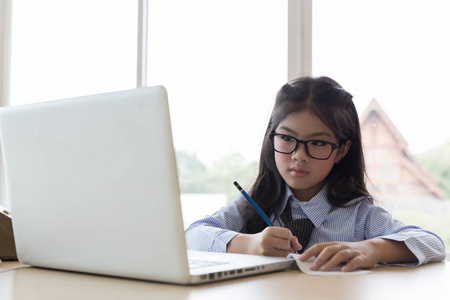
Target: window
70	48
394	52
222	63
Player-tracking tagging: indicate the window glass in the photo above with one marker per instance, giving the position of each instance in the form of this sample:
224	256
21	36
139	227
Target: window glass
222	63
71	48
393	57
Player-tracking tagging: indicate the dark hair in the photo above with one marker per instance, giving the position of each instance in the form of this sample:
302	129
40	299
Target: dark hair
334	106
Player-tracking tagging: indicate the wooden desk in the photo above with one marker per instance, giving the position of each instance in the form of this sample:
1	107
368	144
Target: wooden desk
426	282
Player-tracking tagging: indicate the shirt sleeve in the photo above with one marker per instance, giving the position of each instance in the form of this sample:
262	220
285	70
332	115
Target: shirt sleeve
425	245
213	233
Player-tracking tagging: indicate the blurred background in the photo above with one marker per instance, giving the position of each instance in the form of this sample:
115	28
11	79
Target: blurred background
222	63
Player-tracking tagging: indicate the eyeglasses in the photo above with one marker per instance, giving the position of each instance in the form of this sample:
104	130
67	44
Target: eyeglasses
316	149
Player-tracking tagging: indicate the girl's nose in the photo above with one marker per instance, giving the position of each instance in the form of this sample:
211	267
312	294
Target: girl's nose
300	153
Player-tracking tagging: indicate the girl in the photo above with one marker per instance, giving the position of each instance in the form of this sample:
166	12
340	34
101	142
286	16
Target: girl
311	173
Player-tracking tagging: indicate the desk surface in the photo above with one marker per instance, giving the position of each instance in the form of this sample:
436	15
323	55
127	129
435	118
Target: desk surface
426	282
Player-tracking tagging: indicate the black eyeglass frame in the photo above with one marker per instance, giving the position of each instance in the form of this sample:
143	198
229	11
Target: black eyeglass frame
334	146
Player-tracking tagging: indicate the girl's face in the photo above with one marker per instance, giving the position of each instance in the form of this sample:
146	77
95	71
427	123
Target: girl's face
305	175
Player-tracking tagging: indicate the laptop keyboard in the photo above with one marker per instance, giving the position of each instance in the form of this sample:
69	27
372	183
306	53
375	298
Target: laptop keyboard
197	263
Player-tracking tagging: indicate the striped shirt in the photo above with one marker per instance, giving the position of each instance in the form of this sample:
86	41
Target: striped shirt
352	223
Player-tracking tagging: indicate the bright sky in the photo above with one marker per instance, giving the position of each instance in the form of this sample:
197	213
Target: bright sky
223	62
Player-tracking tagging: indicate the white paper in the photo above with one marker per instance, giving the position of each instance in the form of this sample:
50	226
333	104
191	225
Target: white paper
305	268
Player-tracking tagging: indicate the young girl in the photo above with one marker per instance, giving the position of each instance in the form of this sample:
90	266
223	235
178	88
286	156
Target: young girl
312	173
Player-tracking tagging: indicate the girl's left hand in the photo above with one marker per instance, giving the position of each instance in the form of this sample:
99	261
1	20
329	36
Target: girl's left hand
362	254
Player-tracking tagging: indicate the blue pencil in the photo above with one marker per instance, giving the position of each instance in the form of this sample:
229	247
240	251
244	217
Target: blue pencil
252	203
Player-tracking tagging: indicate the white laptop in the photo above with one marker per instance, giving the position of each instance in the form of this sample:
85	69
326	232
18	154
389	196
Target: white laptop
93	187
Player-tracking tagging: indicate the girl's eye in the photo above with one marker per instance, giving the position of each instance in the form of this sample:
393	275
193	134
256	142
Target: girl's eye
286	138
318	143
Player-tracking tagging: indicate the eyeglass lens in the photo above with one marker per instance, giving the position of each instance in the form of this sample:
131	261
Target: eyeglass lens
315	149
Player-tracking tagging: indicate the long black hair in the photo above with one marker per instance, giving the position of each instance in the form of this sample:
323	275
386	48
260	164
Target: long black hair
334	106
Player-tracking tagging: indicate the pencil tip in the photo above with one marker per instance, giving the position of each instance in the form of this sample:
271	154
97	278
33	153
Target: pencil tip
237	185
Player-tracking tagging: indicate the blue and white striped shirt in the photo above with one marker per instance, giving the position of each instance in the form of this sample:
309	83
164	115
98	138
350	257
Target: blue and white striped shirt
353	223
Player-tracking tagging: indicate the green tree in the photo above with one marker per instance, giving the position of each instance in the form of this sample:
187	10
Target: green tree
223	173
191	174
196	177
437	162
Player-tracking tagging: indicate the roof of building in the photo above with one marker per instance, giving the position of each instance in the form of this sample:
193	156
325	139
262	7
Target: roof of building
408	162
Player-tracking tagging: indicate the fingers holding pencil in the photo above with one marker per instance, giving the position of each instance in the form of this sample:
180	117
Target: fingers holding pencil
272	241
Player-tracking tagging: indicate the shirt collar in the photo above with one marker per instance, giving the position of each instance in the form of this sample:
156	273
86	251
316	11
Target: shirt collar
315	209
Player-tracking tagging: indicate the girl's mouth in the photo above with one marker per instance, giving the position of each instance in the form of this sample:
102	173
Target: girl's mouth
298	172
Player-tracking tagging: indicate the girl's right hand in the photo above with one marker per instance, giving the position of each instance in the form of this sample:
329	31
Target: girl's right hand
272	241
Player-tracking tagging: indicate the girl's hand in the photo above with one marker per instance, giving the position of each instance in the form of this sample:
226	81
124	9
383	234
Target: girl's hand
364	254
272	241
328	255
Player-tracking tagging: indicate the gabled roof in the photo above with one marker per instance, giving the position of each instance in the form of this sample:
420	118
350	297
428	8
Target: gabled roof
374	107
408	162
